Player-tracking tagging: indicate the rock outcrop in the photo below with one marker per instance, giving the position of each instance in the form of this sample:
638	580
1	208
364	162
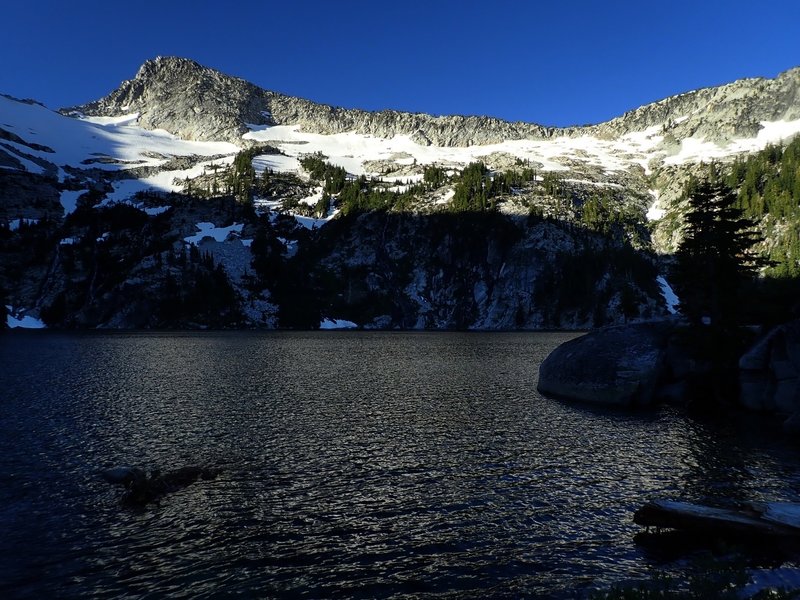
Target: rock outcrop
618	366
717	114
473	271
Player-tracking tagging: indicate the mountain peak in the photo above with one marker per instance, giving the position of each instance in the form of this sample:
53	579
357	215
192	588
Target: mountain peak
185	98
153	66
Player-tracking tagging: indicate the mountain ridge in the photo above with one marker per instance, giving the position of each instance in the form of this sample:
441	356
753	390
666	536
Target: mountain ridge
201	103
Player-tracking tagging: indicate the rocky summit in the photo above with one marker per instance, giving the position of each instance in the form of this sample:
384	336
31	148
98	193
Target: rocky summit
191	198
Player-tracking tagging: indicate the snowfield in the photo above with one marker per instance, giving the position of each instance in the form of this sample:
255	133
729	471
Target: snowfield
84	141
69	200
352	150
700	150
113	143
118	143
276	162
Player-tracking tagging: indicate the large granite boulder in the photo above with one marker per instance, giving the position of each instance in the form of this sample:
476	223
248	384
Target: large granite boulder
618	365
769	373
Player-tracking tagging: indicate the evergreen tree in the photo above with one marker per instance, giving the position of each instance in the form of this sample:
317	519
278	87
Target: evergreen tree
714	257
470	190
434	176
243	175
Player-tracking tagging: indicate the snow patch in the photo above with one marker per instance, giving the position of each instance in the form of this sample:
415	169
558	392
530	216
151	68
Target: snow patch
771	132
290	245
655	212
22	321
698	149
112	121
14	224
163	182
219	234
313	198
337	324
311	222
669	295
27	165
69	200
156	210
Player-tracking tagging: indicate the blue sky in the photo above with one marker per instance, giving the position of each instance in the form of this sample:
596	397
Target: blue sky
554	63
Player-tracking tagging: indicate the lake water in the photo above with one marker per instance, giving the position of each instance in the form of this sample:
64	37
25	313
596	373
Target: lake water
354	465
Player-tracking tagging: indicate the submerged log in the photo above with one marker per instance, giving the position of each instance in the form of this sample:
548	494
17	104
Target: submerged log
777	519
141	489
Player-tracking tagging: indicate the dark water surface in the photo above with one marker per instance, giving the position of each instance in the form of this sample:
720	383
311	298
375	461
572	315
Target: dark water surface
355	465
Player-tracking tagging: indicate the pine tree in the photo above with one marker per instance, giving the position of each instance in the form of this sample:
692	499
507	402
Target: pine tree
715	255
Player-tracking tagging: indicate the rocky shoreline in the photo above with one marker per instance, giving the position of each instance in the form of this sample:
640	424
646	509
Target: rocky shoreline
665	361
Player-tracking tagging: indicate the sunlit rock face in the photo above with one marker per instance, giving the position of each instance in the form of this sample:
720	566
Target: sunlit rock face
196	102
186	99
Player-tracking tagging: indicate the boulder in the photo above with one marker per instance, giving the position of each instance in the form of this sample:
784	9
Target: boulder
618	365
792	424
769	373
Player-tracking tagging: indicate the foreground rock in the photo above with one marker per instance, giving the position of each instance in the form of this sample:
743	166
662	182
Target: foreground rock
619	365
769	374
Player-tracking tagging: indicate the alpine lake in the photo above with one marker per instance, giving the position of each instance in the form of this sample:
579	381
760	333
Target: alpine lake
353	465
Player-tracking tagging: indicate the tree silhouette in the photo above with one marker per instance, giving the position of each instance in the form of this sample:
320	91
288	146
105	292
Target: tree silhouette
715	256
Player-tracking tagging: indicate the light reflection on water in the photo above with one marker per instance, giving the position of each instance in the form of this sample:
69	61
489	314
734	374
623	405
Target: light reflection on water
355	465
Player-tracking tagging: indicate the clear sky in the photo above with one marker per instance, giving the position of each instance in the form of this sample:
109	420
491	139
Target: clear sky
554	63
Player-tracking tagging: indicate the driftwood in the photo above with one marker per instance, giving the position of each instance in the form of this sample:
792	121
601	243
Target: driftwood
771	519
141	489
